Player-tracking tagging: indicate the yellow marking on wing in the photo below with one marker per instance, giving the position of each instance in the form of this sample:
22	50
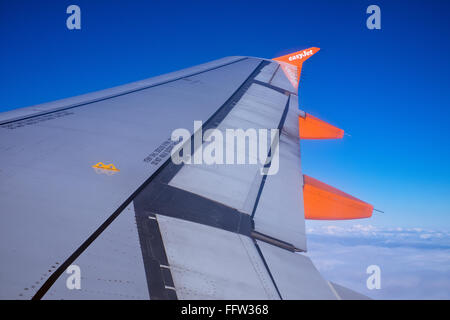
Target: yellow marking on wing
103	166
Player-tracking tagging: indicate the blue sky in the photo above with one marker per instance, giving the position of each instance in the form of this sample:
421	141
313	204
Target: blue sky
388	88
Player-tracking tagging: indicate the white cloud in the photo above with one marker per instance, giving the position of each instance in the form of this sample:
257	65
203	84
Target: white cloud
415	263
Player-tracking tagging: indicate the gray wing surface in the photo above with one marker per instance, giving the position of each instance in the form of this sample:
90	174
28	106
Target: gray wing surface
151	228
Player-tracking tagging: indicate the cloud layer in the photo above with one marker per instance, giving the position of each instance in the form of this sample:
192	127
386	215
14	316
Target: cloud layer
414	262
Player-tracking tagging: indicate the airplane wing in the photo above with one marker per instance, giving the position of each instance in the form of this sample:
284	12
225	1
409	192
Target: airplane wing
88	188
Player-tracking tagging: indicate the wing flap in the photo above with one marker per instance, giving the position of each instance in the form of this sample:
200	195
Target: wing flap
295	275
210	263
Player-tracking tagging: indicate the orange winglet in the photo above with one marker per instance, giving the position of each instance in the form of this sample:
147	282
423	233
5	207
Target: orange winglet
295	59
311	127
323	202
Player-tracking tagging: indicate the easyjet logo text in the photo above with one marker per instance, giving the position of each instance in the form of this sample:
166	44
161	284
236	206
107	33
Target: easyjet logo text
301	55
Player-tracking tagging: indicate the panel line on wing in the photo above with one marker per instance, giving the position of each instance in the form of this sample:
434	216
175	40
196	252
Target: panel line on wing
272	148
258	249
271	86
157	270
